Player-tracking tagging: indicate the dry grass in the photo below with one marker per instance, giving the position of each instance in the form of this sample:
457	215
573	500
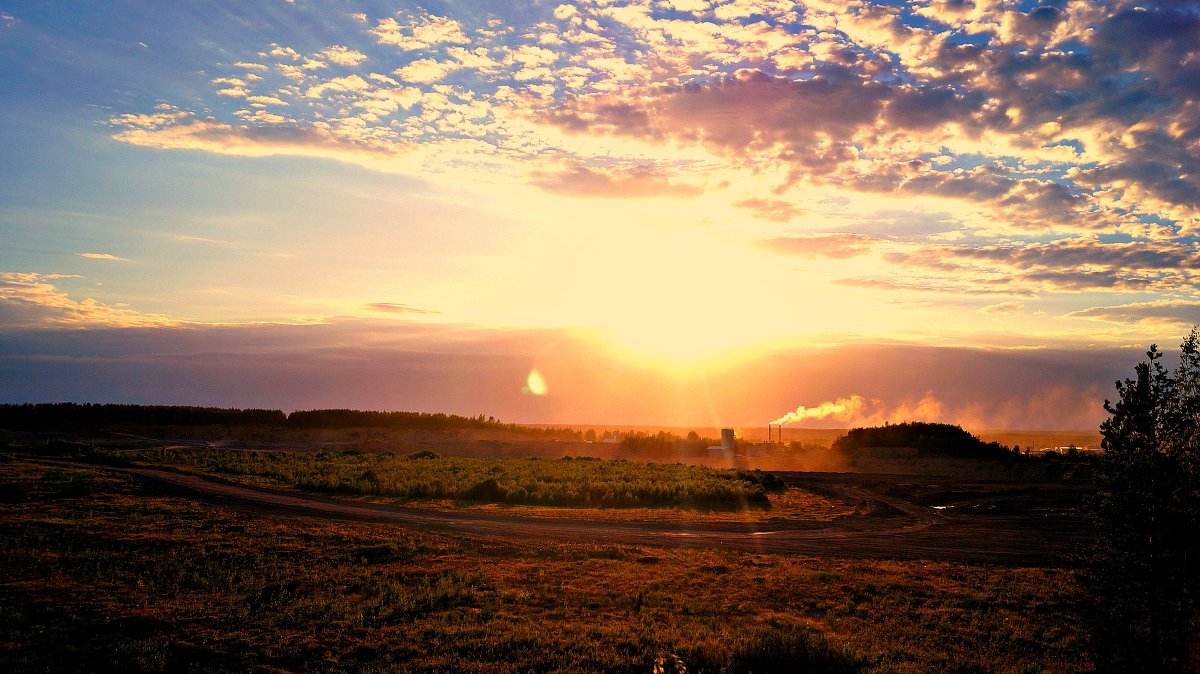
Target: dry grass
101	574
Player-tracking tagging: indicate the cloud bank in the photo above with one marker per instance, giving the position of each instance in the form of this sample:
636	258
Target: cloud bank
382	364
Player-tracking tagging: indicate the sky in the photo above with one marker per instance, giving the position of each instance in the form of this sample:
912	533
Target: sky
678	212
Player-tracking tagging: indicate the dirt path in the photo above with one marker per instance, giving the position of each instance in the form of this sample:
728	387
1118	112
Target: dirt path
918	533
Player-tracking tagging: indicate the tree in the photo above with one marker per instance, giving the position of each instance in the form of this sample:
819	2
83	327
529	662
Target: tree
1144	570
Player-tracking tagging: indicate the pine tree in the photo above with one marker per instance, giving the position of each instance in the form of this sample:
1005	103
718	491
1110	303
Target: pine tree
1144	571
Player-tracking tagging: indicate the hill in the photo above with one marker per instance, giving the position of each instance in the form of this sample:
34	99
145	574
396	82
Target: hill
926	439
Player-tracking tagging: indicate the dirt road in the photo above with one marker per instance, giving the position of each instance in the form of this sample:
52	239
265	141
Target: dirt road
912	532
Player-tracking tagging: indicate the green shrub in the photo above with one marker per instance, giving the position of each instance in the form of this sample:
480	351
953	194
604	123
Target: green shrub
517	481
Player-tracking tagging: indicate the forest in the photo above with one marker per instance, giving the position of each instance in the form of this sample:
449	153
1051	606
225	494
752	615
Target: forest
93	417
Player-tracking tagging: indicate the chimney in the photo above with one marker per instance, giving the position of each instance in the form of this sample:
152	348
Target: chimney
780	434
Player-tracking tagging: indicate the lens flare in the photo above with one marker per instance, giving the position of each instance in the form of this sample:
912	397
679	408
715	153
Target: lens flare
535	383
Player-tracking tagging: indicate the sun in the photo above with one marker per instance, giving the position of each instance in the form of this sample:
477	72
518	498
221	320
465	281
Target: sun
685	318
683	303
677	336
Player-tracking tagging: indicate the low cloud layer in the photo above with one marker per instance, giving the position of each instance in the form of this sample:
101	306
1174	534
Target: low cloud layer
396	365
1161	311
394	308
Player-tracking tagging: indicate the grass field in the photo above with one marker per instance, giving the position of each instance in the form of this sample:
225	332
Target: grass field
100	573
524	481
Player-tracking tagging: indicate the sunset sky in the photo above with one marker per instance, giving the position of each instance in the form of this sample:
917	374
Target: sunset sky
670	211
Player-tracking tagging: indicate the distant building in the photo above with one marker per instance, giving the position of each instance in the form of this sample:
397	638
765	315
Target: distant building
728	446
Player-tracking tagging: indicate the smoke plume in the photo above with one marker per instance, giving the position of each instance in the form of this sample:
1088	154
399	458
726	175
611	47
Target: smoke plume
842	409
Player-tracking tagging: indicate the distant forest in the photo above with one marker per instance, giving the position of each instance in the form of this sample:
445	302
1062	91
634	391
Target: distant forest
929	439
94	417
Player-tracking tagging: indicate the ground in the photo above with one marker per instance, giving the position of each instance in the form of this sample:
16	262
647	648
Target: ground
106	570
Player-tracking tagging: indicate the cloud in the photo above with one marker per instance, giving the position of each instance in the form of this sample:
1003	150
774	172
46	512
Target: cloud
348	83
32	300
809	123
1171	312
1086	280
342	55
103	256
774	210
279	51
265	100
638	183
1072	264
188	238
946	287
417	32
395	364
837	246
425	71
220	138
154	120
1043	129
391	308
1003	309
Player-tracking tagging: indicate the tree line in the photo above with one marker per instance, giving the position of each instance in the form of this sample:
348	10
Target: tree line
95	417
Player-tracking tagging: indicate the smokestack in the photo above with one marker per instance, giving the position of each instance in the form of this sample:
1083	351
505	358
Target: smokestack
768	434
780	434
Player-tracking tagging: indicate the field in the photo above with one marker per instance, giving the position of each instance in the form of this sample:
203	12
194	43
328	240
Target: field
126	571
527	481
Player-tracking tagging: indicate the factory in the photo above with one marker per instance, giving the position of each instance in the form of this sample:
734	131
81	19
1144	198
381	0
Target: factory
728	446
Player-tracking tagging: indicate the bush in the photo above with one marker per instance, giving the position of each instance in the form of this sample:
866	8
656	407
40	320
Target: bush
488	491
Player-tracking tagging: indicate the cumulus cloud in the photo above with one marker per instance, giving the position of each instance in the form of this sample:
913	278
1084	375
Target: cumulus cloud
347	83
31	300
342	55
424	71
809	123
1069	124
414	32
